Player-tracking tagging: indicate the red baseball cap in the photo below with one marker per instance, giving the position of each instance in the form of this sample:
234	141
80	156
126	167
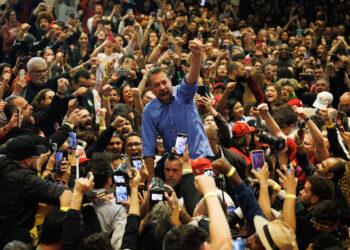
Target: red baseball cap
219	85
199	165
215	100
296	102
241	128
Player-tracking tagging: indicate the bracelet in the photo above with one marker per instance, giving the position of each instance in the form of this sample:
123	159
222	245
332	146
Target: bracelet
307	119
107	76
207	79
175	24
300	145
60	93
275	187
82	66
105	97
102	127
148	26
159	45
65	209
186	171
70	125
209	194
231	172
292	196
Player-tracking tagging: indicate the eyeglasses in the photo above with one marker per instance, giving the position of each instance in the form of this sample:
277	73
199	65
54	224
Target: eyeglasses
39	71
136	144
319	225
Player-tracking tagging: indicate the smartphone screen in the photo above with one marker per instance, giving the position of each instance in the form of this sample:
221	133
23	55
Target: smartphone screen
180	144
231	209
257	159
22	73
58	161
72	140
156	197
299	32
171	47
121	193
137	163
208	172
130	11
110	37
239	244
119	179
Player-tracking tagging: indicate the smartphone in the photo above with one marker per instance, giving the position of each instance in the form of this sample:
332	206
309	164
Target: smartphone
299	32
302	126
123	73
154	14
272	43
121	193
71	15
230	49
231	209
180	144
60	154
247	61
203	90
202	3
72	140
110	37
155	196
258	159
239	244
208	172
19	117
237	33
171	47
130	11
22	73
137	163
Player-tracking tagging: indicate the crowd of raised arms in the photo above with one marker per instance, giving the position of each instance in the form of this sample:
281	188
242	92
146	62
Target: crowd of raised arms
175	125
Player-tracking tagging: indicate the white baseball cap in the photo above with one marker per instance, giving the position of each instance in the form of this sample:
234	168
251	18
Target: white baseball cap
323	100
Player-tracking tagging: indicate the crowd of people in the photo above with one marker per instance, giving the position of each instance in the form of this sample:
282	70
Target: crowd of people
157	124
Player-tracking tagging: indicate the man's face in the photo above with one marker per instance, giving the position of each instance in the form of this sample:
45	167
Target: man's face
133	147
26	111
218	91
283	52
161	87
344	103
38	76
319	73
240	70
274	71
254	243
44	25
114	97
57	29
172	172
85	120
320	50
321	85
115	145
324	166
98	10
309	145
124	128
305	195
83	82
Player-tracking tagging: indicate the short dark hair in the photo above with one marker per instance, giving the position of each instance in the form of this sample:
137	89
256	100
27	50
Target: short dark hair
153	234
133	134
326	241
10	107
184	237
328	210
97	241
154	71
322	187
100	165
81	73
122	59
284	116
52	227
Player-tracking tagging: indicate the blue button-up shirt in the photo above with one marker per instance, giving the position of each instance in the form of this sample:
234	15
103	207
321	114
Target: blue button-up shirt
179	116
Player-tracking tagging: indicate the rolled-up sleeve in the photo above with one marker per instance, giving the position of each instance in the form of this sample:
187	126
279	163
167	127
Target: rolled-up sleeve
186	92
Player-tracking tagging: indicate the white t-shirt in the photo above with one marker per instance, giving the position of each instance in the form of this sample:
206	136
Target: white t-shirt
65	12
104	59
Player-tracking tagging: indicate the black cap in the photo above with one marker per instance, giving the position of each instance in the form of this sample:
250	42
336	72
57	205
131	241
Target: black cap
25	146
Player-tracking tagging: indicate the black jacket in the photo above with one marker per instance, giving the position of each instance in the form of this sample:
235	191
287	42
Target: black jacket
20	191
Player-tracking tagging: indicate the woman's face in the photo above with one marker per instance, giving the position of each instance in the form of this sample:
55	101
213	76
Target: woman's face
257	66
12	17
237	111
114	97
271	94
153	38
257	142
49	56
284	92
83	39
128	96
222	71
120	41
48	98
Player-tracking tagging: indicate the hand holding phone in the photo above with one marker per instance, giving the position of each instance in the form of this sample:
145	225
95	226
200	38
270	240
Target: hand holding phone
258	160
180	144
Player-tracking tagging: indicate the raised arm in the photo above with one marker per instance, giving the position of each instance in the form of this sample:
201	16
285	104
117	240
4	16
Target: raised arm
195	46
271	125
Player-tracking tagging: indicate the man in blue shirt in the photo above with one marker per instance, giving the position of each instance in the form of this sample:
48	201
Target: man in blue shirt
174	111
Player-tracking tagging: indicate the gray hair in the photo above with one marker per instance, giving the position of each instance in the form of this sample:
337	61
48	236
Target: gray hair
160	211
36	61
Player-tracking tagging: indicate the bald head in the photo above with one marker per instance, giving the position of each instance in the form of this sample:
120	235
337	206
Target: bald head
211	132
